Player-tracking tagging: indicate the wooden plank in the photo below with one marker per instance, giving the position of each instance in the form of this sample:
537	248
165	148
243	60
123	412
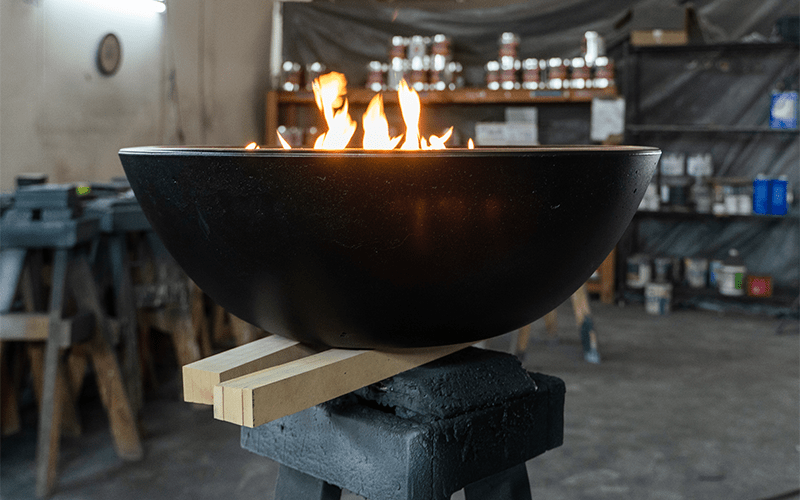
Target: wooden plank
270	394
28	327
121	418
200	377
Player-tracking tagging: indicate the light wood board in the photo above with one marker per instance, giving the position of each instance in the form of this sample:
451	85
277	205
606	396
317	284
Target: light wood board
273	377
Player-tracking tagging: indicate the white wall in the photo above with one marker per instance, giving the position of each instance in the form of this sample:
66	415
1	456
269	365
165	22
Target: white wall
218	52
196	74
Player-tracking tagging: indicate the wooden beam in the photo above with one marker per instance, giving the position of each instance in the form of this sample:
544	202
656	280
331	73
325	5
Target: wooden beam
200	377
272	393
27	327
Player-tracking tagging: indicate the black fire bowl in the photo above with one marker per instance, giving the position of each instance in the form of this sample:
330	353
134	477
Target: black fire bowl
392	249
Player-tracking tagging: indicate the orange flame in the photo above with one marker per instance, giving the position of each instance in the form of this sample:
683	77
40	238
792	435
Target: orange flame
329	91
283	141
252	145
376	127
329	94
470	144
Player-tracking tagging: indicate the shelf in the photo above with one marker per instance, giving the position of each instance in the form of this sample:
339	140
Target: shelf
783	302
673	214
710	47
464	96
705	129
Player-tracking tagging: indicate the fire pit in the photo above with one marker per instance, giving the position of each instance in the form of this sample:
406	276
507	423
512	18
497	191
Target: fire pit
385	249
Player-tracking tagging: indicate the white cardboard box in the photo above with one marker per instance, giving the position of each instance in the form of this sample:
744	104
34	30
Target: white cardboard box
506	134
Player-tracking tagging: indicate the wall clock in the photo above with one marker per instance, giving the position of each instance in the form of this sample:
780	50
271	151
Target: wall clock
109	55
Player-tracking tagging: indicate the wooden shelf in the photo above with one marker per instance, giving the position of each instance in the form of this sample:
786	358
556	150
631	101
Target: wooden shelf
295	103
462	96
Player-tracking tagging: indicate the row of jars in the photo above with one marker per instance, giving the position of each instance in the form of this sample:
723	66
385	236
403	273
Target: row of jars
425	62
553	73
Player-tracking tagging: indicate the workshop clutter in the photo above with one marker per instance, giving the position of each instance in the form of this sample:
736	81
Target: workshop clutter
686	183
592	69
83	270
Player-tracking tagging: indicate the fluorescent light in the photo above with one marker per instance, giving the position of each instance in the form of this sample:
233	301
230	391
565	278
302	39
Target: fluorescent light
130	7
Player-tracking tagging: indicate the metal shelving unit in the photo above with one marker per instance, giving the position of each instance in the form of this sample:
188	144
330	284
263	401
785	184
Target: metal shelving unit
637	128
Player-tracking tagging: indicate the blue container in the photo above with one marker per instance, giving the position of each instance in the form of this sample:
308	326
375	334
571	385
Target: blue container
761	195
778	197
783	111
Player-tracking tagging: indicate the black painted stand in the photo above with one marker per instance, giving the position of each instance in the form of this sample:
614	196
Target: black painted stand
470	420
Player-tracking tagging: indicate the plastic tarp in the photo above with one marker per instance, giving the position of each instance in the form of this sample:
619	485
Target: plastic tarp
686	88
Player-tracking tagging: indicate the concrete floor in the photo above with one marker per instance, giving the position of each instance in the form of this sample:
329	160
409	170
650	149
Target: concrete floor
694	405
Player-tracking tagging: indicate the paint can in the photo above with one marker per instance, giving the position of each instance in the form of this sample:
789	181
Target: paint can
658	298
778	188
759	286
713	273
696	272
638	274
732	275
761	195
663	268
731	280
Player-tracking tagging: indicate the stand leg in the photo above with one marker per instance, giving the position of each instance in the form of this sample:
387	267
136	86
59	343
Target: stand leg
511	484
293	485
583	317
126	313
49	416
109	376
11	262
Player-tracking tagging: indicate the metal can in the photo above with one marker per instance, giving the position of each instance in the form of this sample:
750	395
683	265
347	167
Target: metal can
713	273
556	73
663	268
441	46
731	280
417	47
376	76
398	69
313	71
658	298
398	47
292	76
778	188
531	74
638	272
696	272
493	75
581	76
761	195
508	73
509	42
603	73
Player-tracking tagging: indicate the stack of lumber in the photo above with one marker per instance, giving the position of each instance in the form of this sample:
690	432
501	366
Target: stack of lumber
269	378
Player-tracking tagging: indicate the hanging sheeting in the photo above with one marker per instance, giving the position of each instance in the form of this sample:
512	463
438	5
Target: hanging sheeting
726	87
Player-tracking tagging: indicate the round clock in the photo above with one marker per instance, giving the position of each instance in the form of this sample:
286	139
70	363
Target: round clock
109	55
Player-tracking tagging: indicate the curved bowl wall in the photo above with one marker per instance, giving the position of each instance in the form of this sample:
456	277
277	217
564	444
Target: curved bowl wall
389	249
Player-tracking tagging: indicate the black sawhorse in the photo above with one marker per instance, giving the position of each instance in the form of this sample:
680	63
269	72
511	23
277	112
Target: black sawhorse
470	420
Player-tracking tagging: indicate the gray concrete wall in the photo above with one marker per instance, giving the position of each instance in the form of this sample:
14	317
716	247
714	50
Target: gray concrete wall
195	74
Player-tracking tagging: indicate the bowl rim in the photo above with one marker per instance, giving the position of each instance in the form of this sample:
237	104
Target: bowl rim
554	150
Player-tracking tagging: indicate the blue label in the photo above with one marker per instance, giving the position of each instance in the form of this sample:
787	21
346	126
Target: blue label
783	111
761	196
778	197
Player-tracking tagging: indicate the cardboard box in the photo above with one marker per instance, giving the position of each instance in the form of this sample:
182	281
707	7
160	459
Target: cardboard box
662	24
659	37
506	134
